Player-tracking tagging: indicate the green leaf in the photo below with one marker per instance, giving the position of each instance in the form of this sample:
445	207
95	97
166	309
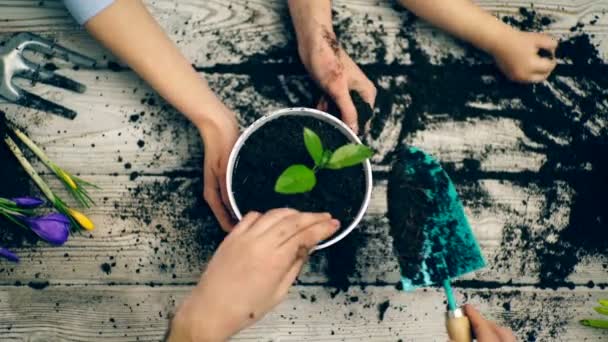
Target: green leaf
313	145
349	155
601	310
603	302
296	179
595	323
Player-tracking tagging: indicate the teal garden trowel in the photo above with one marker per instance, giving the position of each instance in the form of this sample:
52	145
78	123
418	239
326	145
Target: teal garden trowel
431	234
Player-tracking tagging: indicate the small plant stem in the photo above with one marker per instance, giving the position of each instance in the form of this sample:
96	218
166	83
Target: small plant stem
34	148
29	169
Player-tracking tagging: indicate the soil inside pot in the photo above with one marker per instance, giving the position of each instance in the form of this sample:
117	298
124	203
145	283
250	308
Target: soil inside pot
279	144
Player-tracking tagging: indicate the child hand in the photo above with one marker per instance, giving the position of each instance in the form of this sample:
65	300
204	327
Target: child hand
517	56
336	73
250	273
219	136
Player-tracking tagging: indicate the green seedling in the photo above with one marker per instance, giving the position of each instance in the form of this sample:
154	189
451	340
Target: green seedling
598	323
299	178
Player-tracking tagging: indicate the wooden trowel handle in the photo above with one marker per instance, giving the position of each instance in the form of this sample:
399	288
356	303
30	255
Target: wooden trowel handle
459	327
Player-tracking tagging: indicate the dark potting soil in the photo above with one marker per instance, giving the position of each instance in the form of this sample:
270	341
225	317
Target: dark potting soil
14	182
279	144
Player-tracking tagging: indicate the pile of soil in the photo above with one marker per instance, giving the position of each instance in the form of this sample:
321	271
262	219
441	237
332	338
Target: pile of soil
279	144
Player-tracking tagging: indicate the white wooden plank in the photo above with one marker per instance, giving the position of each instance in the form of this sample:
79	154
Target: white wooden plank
120	313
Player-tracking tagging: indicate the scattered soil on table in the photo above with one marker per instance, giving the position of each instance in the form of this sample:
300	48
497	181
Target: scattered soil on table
38	284
279	144
382	308
564	116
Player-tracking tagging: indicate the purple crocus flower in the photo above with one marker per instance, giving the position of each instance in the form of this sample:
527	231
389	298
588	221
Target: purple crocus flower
53	228
27	202
5	253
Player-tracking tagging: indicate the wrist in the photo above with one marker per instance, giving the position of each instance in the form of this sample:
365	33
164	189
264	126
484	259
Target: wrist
213	118
493	41
309	41
194	324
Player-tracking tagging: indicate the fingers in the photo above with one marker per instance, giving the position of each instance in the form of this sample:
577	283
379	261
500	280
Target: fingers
538	77
368	92
270	219
247	221
292	274
323	105
213	198
546	42
481	327
544	65
347	108
308	238
505	334
224	188
293	224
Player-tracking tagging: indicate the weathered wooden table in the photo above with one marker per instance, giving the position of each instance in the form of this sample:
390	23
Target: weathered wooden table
531	164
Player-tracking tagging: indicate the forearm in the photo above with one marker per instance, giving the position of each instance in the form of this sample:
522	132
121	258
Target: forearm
311	20
462	18
128	30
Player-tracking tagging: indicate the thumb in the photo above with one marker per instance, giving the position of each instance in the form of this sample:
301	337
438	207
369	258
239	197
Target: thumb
482	329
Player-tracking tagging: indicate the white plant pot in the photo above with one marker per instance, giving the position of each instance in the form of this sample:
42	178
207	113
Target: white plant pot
314	114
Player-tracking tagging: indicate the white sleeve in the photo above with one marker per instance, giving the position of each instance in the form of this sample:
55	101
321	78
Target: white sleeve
83	10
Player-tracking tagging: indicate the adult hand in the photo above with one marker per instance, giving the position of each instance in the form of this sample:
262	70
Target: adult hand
250	273
487	331
336	73
219	136
517	56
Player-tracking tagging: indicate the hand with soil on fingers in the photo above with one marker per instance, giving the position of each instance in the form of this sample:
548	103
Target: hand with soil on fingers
328	64
250	273
487	331
525	57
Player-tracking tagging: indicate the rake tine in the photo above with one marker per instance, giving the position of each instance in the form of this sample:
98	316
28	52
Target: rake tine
28	99
56	80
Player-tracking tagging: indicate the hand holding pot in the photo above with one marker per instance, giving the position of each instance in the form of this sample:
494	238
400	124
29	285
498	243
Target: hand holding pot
219	136
250	273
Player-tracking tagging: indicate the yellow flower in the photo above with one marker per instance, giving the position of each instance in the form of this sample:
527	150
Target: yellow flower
82	220
66	178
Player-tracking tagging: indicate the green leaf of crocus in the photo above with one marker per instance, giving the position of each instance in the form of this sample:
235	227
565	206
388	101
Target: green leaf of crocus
595	323
313	145
349	155
603	302
296	179
601	310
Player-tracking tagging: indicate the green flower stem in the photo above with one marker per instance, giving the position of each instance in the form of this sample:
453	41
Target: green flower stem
11	218
30	170
34	148
4	201
595	323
